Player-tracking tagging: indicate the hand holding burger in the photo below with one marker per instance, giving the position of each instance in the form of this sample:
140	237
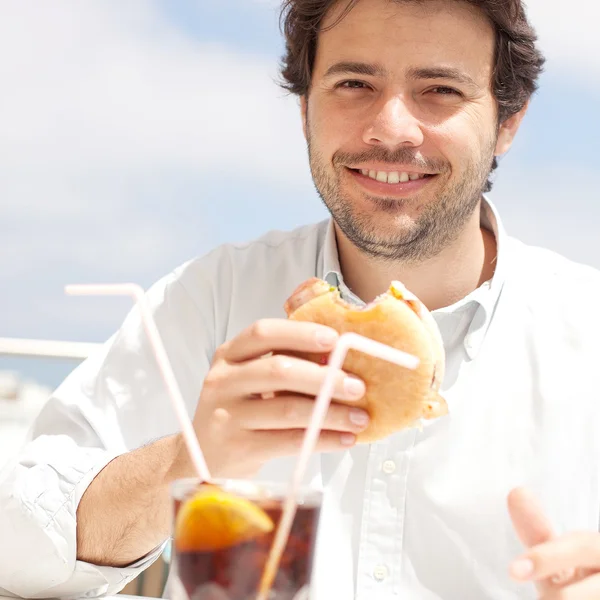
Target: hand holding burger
396	398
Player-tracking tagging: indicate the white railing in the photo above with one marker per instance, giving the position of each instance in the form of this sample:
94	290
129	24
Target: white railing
12	434
46	348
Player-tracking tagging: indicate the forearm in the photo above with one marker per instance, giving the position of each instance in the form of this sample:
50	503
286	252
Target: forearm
126	510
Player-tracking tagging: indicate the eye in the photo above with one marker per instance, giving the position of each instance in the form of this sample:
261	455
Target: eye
352	84
443	90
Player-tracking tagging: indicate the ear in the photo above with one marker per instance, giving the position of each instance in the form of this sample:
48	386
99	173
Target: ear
304	113
508	131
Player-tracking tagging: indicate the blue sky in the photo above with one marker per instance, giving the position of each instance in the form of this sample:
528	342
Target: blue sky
253	27
138	135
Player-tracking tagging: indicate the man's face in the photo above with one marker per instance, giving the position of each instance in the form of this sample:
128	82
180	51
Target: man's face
402	89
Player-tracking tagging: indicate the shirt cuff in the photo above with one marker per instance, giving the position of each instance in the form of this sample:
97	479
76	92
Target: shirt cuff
39	525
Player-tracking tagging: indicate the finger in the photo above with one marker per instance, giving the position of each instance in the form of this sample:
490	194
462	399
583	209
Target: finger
579	550
295	412
267	445
532	528
528	518
586	589
288	374
268	335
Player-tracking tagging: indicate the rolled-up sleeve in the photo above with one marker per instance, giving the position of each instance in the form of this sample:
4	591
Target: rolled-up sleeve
39	501
112	403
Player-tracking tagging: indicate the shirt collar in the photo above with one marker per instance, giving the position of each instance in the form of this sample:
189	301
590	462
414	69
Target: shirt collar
483	299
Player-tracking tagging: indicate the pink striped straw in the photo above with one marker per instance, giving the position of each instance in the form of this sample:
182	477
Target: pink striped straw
137	293
345	343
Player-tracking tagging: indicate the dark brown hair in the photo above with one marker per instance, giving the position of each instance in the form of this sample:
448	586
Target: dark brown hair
518	62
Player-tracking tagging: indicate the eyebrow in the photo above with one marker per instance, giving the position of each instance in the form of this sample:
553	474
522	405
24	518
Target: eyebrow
442	73
356	68
375	70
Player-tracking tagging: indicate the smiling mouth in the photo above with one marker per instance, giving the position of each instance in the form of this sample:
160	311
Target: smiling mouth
392	177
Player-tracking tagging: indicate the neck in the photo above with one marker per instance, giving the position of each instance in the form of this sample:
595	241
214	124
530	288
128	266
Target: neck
438	282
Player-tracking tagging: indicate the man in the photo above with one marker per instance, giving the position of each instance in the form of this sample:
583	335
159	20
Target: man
405	107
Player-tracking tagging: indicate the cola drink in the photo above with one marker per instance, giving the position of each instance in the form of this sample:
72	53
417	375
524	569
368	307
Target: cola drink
234	572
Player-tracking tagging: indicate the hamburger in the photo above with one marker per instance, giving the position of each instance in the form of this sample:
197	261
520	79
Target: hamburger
396	398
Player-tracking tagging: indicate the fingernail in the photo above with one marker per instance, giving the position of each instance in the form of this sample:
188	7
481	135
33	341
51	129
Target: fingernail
522	568
354	387
347	439
564	576
326	337
359	417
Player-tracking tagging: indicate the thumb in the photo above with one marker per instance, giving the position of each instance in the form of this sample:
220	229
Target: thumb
528	518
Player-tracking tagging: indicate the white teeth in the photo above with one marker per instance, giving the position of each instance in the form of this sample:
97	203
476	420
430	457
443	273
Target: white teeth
392	178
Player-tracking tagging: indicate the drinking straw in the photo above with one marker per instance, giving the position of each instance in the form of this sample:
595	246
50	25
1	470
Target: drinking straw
137	293
346	342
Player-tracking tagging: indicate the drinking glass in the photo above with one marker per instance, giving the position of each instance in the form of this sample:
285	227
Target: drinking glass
222	567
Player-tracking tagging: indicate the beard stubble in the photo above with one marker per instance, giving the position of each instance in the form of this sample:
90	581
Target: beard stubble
438	224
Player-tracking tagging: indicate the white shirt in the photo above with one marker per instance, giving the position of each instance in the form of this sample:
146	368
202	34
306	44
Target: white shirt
420	515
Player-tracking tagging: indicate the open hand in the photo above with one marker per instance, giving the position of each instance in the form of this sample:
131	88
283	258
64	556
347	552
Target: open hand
565	567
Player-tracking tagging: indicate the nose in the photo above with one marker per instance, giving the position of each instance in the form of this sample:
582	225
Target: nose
393	125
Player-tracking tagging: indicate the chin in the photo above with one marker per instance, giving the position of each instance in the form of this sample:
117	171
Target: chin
381	229
392	216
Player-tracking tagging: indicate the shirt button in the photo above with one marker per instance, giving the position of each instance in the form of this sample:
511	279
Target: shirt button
380	572
388	467
470	344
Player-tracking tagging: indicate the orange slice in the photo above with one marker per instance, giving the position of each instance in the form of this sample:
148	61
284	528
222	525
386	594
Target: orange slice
213	520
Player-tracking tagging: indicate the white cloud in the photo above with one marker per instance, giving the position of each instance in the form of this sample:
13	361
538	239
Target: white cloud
105	110
569	37
96	86
552	212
